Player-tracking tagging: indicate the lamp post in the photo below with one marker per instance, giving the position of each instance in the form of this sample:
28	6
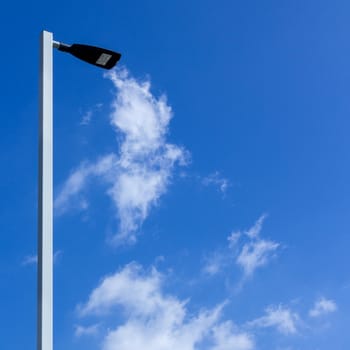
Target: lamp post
99	57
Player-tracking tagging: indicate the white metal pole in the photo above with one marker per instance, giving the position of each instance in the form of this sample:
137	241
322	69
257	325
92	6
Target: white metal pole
45	210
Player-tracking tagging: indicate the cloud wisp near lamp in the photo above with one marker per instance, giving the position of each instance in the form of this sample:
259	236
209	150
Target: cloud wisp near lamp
99	57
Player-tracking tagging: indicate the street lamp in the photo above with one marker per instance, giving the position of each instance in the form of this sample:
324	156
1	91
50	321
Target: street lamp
99	57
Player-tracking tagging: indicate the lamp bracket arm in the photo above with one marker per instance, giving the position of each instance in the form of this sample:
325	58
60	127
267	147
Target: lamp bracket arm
61	46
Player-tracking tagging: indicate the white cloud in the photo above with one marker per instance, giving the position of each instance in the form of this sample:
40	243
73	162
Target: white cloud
86	118
87	115
255	230
131	287
153	320
279	317
214	263
146	160
69	195
33	259
81	331
73	186
142	170
233	239
30	260
227	337
322	307
57	255
255	254
217	180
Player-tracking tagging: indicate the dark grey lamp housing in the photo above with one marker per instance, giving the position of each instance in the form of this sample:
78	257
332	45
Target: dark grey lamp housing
94	55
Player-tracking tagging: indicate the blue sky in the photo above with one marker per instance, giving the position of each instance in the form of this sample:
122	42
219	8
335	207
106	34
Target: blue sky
201	189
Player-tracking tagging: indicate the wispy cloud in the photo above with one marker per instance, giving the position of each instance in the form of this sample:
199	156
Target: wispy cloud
228	337
33	259
155	320
86	118
257	252
254	231
30	260
215	179
279	317
233	239
215	262
81	331
57	256
245	249
87	115
142	170
322	307
70	194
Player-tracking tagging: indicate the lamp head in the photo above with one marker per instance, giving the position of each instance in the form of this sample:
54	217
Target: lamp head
97	56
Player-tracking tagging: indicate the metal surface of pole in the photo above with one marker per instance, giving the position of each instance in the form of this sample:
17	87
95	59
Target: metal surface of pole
45	198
